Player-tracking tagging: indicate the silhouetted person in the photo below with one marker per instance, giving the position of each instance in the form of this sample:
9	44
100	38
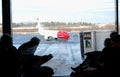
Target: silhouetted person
92	66
28	60
112	57
107	44
8	57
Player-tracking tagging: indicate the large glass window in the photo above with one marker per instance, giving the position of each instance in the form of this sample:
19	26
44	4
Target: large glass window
45	18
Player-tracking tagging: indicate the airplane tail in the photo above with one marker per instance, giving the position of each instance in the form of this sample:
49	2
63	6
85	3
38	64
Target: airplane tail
39	26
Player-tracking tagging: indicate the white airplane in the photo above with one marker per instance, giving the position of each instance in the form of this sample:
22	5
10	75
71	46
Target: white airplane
52	33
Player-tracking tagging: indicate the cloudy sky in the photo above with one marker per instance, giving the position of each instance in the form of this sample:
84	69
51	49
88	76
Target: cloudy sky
94	11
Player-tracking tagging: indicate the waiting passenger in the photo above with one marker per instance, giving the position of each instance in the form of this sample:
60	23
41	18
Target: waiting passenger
27	58
92	66
8	57
112	57
107	44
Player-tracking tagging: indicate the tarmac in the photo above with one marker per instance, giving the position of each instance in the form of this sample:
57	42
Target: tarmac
66	54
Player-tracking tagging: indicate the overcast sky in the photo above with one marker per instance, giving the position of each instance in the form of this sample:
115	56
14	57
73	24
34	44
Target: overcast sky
94	11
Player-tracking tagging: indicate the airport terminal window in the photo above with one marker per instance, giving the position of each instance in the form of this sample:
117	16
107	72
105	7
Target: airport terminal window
46	18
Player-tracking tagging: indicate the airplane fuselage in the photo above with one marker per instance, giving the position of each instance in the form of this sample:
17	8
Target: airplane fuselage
48	34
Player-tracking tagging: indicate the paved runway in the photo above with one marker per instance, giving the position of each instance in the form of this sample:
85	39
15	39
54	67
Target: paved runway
66	54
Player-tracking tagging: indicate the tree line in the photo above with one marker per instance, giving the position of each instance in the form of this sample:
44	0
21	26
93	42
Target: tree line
53	24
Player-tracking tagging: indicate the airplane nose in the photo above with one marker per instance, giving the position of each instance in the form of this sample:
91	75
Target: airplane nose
63	34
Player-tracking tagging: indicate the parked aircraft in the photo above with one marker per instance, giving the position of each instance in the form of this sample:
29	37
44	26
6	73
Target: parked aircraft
48	34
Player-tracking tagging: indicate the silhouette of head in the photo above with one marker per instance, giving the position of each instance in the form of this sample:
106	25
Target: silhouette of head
35	40
6	39
116	41
113	34
107	42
